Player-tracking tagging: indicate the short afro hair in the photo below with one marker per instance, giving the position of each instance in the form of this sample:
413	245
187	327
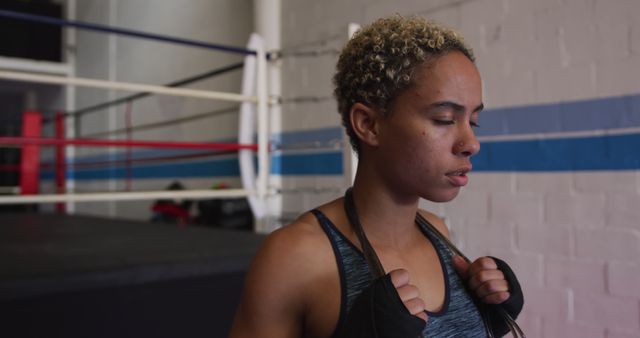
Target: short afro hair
378	63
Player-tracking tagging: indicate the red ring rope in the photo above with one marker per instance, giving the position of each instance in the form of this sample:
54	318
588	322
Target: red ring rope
50	166
118	143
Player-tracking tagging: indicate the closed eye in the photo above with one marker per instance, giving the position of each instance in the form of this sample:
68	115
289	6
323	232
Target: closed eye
444	122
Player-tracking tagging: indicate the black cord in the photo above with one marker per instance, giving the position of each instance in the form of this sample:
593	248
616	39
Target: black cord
377	270
370	255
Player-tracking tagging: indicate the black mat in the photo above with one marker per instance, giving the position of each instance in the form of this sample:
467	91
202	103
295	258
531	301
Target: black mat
74	276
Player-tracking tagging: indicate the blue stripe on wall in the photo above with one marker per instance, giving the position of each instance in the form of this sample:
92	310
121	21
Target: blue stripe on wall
615	152
596	114
314	135
618	152
308	164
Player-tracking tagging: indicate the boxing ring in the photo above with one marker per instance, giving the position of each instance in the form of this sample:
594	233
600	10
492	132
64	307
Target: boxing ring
254	98
76	276
79	276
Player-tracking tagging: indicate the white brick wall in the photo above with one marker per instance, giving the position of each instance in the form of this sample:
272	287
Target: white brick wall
623	279
579	210
580	275
623	210
606	310
616	333
544	239
546	302
618	182
491	182
573	238
516	208
608	244
559	328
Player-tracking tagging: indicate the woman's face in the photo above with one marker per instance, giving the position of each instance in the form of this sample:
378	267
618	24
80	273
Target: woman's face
426	141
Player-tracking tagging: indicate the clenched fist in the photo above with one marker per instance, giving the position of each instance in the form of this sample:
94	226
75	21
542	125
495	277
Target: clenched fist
409	294
484	279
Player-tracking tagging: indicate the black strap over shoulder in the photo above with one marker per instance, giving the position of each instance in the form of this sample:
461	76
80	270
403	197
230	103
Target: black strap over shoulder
499	319
378	311
375	267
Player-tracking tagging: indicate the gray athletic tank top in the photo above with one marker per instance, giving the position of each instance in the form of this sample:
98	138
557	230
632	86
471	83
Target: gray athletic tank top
459	316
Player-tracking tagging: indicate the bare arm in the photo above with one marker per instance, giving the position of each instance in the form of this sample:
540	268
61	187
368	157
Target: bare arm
273	300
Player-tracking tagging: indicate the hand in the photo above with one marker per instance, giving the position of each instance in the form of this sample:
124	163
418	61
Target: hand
409	294
484	279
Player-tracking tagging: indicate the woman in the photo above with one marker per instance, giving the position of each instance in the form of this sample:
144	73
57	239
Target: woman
409	95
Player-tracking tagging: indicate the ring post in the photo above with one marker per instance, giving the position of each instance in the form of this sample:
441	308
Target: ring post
30	155
60	162
263	126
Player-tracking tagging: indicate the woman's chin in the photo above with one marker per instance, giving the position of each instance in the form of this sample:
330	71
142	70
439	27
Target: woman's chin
442	197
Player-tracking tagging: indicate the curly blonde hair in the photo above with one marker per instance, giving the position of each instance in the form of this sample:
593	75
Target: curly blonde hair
378	63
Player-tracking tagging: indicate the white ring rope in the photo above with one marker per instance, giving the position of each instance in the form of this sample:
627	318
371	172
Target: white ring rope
125	196
126	86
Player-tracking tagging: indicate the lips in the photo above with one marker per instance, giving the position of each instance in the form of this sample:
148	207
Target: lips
459	177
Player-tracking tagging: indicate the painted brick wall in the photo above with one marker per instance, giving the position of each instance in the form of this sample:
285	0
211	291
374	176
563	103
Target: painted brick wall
565	74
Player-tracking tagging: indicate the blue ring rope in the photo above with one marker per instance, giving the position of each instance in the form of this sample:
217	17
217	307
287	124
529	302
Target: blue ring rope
126	32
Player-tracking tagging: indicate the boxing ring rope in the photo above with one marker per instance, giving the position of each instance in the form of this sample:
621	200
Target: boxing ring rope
126	99
125	32
179	83
125	196
257	57
169	122
125	86
122	143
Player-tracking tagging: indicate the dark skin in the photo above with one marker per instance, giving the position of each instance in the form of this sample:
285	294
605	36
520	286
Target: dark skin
420	150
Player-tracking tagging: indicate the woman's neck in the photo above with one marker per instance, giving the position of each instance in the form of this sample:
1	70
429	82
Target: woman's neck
386	216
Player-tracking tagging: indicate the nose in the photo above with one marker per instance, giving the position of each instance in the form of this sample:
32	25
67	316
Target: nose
467	144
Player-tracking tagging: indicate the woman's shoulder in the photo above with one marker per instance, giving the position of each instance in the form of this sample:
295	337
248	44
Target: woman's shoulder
280	286
436	221
298	247
303	231
297	240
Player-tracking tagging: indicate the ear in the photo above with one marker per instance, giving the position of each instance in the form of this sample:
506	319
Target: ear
365	124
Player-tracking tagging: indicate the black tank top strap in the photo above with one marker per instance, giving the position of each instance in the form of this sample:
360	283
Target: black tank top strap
352	267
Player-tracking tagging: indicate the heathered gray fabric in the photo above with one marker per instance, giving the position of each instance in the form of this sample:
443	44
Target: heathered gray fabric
459	316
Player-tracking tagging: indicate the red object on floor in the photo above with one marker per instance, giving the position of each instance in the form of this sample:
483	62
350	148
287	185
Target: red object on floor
180	214
30	158
61	167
